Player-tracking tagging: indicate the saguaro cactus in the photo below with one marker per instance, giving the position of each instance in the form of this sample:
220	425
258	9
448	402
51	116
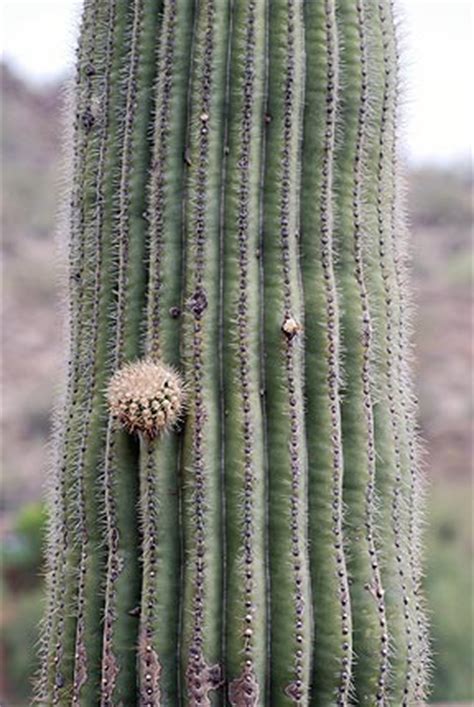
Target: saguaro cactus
235	503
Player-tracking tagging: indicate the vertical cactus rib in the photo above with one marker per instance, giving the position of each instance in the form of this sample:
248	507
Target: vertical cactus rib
60	623
57	537
331	601
289	565
166	183
202	511
86	684
399	497
390	460
261	320
244	463
149	658
370	637
405	488
398	238
121	466
158	635
115	562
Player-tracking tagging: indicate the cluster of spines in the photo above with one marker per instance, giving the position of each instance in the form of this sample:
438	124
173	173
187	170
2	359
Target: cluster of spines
146	397
217	163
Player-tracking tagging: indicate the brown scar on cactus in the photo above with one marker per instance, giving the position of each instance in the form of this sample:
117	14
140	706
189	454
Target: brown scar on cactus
146	397
244	691
150	668
201	679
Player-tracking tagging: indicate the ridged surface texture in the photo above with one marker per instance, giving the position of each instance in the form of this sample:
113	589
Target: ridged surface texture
235	222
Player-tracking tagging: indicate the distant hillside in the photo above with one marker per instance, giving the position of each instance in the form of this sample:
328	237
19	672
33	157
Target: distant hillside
30	347
30	148
441	210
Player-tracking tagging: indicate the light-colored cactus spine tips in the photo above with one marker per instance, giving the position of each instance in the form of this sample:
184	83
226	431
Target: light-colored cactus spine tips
246	532
146	397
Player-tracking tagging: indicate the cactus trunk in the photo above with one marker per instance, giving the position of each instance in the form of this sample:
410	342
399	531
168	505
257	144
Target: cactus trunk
235	500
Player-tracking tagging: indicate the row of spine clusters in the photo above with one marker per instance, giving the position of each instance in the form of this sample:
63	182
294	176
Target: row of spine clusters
235	226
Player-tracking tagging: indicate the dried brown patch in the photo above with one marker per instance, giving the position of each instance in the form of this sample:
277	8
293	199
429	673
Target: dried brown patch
150	674
201	678
197	302
244	691
295	692
110	670
80	669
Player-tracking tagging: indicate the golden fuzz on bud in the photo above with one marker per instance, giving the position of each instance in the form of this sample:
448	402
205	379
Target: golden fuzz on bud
146	396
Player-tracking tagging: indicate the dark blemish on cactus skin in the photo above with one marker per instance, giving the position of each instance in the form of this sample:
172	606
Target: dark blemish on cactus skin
187	157
88	120
197	302
174	312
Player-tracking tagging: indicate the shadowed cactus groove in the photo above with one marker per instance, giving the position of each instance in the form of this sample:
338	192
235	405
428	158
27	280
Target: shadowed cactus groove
236	497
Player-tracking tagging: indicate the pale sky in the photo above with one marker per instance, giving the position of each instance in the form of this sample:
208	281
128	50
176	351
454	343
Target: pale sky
39	35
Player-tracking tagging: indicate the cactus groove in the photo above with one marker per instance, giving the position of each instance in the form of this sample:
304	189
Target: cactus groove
236	494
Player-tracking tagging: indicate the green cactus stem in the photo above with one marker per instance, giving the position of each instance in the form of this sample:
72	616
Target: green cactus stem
236	497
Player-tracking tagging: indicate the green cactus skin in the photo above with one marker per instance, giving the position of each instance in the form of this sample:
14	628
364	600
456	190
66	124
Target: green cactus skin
370	638
201	644
291	639
331	601
245	492
235	211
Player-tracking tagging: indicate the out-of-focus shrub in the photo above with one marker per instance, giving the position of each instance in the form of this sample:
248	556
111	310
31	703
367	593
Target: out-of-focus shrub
449	586
441	197
22	551
21	615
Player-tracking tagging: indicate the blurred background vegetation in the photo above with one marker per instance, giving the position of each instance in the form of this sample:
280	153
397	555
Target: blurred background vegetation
441	211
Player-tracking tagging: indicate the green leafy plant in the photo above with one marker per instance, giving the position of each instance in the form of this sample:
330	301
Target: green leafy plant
240	520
